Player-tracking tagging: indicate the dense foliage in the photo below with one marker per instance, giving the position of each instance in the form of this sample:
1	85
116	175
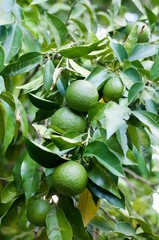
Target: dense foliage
45	46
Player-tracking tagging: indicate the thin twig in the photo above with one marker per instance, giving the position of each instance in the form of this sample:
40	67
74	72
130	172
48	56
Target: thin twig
72	7
140	178
32	74
108	215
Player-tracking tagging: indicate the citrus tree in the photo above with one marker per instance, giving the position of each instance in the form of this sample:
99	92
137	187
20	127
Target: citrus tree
79	124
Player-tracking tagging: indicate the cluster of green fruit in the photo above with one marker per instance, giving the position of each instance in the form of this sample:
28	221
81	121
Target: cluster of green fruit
80	96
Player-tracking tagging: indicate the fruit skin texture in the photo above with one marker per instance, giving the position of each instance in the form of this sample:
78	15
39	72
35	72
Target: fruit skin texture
37	212
66	119
80	95
70	178
144	32
113	89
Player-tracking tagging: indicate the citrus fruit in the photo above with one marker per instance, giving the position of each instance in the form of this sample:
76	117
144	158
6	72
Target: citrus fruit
80	95
66	119
144	32
70	178
37	212
113	89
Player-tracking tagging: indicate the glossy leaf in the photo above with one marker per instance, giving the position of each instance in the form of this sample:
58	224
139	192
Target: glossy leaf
119	51
82	71
92	18
154	75
126	229
134	91
131	40
116	6
8	193
48	75
2	57
81	26
152	18
144	225
133	74
25	63
33	85
100	177
13	42
112	112
30	177
73	216
34	2
9	123
43	155
87	206
42	103
139	6
59	29
57	226
112	199
64	142
151	120
104	156
143	50
79	51
98	76
96	112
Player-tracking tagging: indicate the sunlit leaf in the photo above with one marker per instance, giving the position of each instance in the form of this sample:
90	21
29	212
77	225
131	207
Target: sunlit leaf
82	71
59	29
112	112
134	91
126	229
8	192
48	75
104	156
13	42
119	51
2	57
143	50
87	206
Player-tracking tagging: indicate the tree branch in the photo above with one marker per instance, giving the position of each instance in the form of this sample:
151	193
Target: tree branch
108	215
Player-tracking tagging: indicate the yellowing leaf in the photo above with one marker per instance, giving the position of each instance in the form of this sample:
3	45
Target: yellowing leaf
87	206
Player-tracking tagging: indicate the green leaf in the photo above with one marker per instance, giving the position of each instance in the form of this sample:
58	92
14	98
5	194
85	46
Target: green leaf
25	63
101	193
133	74
131	40
100	177
2	85
101	223
151	120
43	155
79	51
125	228
119	51
57	226
64	142
144	225
104	156
98	76
112	112
42	103
96	112
13	42
73	216
143	50
81	26
34	2
116	6
21	116
9	123
33	85
82	71
30	177
154	74
8	193
2	57
59	29
92	18
152	18
134	91
29	42
48	75
139	6
6	18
